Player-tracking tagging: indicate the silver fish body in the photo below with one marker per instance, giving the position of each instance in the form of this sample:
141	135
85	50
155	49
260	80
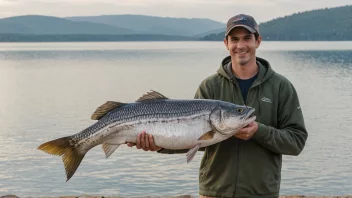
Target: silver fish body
174	124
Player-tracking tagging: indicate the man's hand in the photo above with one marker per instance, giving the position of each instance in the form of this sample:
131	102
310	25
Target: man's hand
145	141
247	132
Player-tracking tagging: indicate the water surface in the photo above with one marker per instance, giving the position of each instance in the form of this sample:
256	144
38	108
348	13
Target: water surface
50	90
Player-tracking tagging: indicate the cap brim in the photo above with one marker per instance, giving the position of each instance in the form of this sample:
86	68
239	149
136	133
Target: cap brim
240	25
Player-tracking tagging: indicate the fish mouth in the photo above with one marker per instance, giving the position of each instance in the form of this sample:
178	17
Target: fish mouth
250	117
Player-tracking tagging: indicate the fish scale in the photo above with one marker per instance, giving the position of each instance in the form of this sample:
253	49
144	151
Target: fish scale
174	124
159	109
150	110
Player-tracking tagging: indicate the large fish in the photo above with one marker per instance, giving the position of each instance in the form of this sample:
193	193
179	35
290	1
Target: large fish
174	124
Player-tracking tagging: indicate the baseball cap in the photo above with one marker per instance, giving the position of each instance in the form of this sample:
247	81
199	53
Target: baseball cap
242	20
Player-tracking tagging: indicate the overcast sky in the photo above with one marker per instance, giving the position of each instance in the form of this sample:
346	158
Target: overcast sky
219	10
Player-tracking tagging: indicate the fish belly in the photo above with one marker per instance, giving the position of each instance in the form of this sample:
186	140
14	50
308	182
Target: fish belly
168	133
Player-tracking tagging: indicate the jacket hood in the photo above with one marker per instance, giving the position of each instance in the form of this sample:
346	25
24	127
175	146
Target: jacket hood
265	70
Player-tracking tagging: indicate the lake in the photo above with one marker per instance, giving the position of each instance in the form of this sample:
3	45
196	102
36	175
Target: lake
50	90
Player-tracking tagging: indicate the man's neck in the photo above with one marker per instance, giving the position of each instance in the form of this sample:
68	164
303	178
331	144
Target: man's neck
245	71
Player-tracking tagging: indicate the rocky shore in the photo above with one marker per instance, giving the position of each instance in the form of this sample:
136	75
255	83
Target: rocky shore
181	196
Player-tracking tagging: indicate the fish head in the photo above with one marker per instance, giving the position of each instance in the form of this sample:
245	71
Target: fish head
230	118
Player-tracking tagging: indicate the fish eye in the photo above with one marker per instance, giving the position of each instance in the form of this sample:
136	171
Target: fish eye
240	110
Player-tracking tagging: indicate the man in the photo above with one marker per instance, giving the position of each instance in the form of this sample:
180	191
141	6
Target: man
248	165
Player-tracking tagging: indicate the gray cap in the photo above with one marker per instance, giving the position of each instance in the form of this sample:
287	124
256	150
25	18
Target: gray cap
242	20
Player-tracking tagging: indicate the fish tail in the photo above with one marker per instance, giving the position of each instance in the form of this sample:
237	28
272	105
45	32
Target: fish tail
70	155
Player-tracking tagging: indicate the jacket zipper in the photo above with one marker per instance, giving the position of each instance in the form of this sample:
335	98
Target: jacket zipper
237	140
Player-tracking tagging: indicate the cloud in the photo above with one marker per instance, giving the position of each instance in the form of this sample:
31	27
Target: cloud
219	10
8	2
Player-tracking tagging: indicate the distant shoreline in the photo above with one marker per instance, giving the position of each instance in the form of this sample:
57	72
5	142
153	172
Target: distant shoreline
118	38
107	41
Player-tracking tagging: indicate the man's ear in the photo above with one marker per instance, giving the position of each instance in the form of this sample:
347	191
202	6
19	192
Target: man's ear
258	41
226	44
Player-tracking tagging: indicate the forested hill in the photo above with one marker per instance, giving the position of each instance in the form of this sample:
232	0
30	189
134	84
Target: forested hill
323	24
39	28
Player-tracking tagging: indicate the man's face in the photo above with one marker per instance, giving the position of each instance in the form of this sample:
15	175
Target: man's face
242	45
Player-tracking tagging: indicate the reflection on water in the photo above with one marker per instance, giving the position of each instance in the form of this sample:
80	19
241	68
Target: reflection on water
325	58
50	91
323	80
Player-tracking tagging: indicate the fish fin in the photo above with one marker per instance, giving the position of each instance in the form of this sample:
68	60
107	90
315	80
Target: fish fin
109	149
152	95
56	147
104	109
192	152
70	156
207	136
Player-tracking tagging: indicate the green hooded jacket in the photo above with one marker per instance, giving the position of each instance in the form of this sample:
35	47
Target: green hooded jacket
252	168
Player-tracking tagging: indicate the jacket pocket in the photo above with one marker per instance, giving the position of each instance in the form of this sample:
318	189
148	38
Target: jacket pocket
205	163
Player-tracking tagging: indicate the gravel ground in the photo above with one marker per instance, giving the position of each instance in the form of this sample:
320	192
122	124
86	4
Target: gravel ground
181	196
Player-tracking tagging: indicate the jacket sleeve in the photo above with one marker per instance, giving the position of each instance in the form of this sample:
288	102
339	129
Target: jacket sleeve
290	136
200	94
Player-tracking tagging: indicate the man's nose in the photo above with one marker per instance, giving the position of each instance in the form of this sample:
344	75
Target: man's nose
240	44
